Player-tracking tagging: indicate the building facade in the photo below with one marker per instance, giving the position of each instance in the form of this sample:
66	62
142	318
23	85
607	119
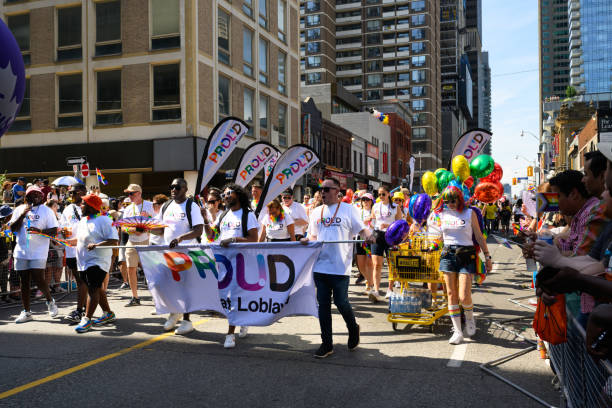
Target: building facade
136	86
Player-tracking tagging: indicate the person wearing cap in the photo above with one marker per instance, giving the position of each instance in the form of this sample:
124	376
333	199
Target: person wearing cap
19	190
31	251
69	221
5	213
137	207
364	260
94	231
297	212
398	199
256	190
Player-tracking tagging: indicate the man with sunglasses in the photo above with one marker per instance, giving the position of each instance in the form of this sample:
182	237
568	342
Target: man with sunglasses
69	221
297	212
335	221
182	228
137	207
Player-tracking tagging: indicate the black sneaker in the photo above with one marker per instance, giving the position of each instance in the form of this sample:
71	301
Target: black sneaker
360	280
324	351
353	340
133	302
74	317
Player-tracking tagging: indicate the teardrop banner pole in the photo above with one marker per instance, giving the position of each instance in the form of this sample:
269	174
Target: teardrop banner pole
471	144
253	160
221	143
290	167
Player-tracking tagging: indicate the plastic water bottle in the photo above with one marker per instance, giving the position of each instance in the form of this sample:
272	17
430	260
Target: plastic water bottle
545	234
393	303
404	302
416	304
426	299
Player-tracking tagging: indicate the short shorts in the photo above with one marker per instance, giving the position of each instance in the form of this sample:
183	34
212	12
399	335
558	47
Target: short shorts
71	264
131	255
25	264
380	247
93	276
448	261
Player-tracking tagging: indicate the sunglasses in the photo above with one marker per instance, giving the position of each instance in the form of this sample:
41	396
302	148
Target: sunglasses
211	201
383	194
287	198
451	201
133	192
227	193
175	187
327	189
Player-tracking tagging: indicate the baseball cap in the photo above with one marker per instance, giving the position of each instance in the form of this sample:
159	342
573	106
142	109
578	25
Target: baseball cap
606	149
256	184
93	201
5	211
34	189
368	196
133	188
398	195
22	179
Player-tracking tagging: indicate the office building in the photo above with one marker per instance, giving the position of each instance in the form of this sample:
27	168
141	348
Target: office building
486	98
136	86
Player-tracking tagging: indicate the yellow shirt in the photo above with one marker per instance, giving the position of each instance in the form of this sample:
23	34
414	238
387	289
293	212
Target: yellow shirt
491	211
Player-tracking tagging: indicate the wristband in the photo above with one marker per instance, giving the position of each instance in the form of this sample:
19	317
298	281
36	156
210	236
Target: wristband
488	257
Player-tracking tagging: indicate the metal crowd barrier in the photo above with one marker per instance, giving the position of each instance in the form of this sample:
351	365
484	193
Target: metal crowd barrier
584	381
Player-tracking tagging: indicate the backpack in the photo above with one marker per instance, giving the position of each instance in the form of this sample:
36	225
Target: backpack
187	212
245	221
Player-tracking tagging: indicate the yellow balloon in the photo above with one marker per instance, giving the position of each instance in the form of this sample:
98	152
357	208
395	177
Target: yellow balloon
386	120
430	183
460	167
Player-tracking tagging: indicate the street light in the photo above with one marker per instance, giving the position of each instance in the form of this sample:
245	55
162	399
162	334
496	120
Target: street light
530	133
524	158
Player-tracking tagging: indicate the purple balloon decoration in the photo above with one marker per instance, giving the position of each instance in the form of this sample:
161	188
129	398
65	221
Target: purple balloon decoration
422	207
396	232
12	78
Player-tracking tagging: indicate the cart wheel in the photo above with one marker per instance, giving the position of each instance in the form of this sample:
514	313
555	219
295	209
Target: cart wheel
394	325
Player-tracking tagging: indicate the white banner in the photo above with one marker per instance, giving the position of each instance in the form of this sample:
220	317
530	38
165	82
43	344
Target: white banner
290	167
270	165
220	144
471	144
411	166
255	158
277	283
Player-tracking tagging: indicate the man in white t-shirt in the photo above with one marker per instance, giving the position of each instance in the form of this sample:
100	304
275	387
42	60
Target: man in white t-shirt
297	212
335	221
93	231
234	225
30	253
184	225
137	207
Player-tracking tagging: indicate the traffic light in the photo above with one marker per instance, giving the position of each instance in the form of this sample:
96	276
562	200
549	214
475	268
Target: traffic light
514	181
529	171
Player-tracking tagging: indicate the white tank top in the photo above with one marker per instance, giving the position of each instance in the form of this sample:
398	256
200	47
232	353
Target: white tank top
457	227
384	214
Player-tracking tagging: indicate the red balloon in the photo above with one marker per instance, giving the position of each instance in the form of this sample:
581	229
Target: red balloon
469	182
488	192
496	175
407	203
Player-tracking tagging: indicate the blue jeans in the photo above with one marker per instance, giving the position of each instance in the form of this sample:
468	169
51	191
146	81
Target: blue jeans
338	285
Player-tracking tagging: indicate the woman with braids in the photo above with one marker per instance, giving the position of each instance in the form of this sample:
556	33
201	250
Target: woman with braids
458	258
236	224
384	213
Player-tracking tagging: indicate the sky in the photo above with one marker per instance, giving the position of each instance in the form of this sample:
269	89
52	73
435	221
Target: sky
510	35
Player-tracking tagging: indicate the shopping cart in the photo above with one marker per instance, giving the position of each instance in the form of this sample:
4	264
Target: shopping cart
416	261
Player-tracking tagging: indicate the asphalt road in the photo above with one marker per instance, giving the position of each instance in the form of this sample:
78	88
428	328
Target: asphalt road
45	363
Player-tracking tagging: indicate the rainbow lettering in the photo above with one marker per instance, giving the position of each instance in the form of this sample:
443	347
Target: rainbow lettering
301	162
259	160
225	142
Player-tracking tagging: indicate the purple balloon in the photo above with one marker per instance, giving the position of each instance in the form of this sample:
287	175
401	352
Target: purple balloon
396	232
480	222
422	207
12	78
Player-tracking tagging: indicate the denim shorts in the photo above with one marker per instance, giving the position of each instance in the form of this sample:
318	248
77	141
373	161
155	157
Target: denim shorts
25	264
448	261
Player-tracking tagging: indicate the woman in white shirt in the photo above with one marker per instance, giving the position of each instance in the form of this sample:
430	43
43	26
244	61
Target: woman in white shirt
364	260
458	224
384	213
277	225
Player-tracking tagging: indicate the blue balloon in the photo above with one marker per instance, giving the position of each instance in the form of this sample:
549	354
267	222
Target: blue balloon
455	183
12	78
466	193
411	205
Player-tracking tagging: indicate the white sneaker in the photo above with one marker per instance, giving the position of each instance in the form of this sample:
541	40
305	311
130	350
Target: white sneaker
24	317
185	327
470	327
230	341
367	291
375	296
153	311
389	293
52	308
244	330
172	321
397	284
456	338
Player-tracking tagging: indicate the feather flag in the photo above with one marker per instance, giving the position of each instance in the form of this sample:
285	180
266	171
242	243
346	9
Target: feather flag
101	177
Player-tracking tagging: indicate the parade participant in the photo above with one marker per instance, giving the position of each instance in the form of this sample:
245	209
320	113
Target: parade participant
398	199
594	173
7	192
46	189
458	258
55	257
30	255
306	201
137	207
184	225
93	263
505	215
19	190
5	248
236	224
384	213
69	221
490	212
256	190
297	212
213	205
158	201
277	225
335	221
364	260
316	201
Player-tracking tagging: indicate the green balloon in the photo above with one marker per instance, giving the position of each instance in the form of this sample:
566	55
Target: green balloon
438	172
444	179
482	166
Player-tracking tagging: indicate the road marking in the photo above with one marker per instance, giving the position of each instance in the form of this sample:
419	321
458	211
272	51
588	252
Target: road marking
458	355
83	366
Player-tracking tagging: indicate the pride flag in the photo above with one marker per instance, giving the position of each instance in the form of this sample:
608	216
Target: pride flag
547	202
101	177
515	228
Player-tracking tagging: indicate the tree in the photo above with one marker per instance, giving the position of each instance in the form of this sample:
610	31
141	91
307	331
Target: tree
570	91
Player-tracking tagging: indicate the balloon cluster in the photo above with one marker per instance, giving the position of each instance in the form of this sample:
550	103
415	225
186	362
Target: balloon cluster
380	116
480	179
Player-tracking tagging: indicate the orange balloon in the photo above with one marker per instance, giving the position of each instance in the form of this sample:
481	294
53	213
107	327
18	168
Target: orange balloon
488	192
495	176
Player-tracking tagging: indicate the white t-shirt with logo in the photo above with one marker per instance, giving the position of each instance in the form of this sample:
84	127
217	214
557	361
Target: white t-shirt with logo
335	259
134	210
277	229
33	246
231	224
363	215
70	219
457	227
383	214
91	230
297	212
175	217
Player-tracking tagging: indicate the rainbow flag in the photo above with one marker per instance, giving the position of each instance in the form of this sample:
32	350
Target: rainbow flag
547	202
531	188
481	272
101	177
320	182
515	228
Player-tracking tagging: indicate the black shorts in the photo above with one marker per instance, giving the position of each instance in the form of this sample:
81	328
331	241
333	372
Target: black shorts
93	276
71	264
361	249
380	247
